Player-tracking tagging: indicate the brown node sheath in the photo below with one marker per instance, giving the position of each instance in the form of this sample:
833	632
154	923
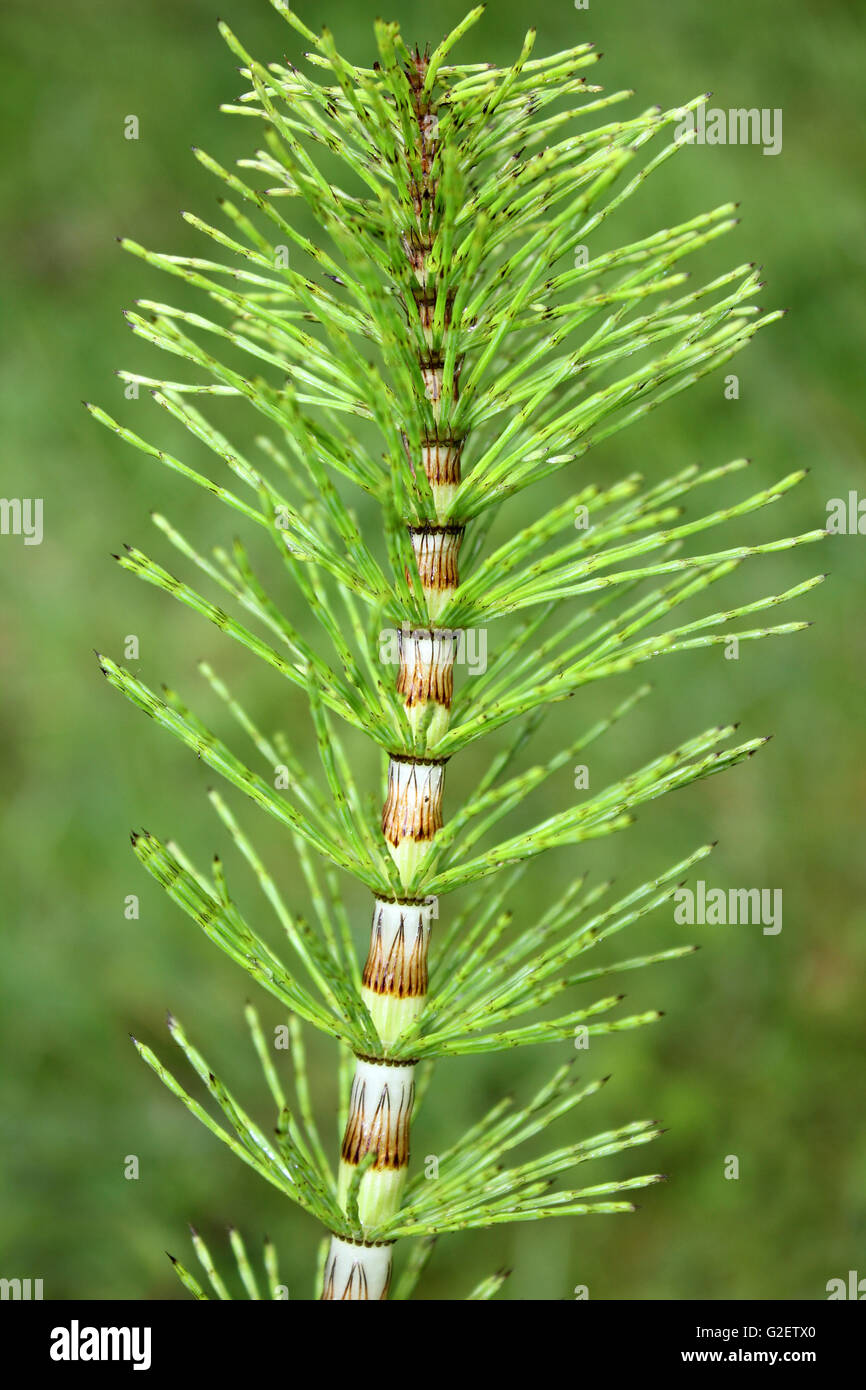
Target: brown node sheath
437	551
354	1287
441	460
397	960
426	671
383	1130
417	246
425	303
432	371
413	803
356	1271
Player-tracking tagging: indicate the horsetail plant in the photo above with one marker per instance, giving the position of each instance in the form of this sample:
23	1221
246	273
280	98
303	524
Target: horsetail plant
442	345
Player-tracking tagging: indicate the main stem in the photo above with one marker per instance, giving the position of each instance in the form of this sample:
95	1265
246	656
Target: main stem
395	973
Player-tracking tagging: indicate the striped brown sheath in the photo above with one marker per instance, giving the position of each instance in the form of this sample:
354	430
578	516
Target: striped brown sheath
437	549
357	1271
380	1108
426	676
440	459
395	973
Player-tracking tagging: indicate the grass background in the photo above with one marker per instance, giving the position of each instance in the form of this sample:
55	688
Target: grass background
760	1052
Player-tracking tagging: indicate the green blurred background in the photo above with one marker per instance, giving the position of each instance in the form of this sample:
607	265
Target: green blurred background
760	1054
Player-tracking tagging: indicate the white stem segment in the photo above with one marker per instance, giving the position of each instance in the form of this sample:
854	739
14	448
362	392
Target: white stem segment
433	374
395	975
441	462
380	1110
437	549
413	810
426	676
356	1272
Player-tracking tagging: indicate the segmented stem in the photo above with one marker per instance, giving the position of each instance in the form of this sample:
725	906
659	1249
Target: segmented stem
395	973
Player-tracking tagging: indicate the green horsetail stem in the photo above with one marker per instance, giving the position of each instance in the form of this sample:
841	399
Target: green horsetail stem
450	335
